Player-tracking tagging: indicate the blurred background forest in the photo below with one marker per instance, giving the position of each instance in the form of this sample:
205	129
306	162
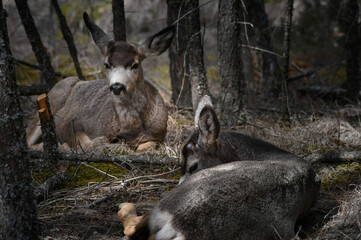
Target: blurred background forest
325	110
317	40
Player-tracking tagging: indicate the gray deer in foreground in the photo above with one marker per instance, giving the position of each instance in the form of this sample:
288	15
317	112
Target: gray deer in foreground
232	187
124	106
239	200
208	146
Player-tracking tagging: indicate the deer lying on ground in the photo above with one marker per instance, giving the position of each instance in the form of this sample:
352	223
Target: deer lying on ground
208	146
125	106
232	187
239	200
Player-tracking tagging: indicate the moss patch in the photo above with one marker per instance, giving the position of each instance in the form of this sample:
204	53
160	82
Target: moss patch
340	177
82	175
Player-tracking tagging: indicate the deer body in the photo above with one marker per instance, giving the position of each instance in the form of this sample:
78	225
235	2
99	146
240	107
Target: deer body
124	106
237	200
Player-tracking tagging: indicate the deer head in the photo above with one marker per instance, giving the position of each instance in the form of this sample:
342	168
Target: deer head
122	61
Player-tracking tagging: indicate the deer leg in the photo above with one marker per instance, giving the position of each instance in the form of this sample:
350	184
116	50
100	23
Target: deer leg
34	136
82	140
131	222
146	146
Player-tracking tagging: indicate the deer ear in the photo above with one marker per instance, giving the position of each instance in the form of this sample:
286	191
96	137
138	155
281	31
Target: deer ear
100	37
205	101
158	43
208	125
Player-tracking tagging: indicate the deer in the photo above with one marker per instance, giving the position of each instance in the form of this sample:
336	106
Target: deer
232	186
208	146
124	106
238	200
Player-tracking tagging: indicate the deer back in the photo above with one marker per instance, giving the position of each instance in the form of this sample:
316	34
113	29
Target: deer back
238	200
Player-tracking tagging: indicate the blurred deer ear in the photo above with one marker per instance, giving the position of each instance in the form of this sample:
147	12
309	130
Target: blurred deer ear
100	37
205	101
208	126
157	43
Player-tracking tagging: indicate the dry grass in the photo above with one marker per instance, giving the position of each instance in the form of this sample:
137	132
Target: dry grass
346	224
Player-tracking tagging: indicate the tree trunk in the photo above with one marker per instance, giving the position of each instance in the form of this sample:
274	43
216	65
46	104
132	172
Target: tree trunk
36	43
195	69
270	70
68	36
230	62
48	130
18	213
181	86
119	21
285	60
350	26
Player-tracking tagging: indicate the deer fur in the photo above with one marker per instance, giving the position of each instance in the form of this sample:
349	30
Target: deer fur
239	200
208	146
124	106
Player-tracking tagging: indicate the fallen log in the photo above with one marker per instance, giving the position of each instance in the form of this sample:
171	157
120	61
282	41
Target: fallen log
41	191
90	157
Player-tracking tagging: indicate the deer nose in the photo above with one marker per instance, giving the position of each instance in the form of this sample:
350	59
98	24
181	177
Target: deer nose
117	88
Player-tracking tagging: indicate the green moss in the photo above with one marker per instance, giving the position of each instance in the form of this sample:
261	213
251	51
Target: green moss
341	177
41	175
169	188
84	174
175	177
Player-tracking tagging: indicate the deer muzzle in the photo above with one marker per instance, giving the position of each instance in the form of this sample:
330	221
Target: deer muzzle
117	88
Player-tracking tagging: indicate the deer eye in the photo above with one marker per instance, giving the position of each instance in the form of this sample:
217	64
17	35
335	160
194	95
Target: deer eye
135	66
193	168
106	65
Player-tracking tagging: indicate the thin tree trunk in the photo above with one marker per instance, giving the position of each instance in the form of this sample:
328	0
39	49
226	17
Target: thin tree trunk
231	104
18	212
351	28
119	28
286	59
36	43
68	36
195	69
270	69
181	86
48	130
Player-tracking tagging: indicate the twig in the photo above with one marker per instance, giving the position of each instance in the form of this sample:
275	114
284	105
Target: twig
18	61
87	157
107	174
335	157
159	181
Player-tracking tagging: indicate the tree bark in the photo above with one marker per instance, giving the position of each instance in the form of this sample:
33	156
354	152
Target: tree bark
181	86
36	43
350	26
231	104
18	213
68	36
195	69
286	58
270	70
119	28
48	129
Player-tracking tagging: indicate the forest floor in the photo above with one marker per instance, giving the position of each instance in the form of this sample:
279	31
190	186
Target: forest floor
85	207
